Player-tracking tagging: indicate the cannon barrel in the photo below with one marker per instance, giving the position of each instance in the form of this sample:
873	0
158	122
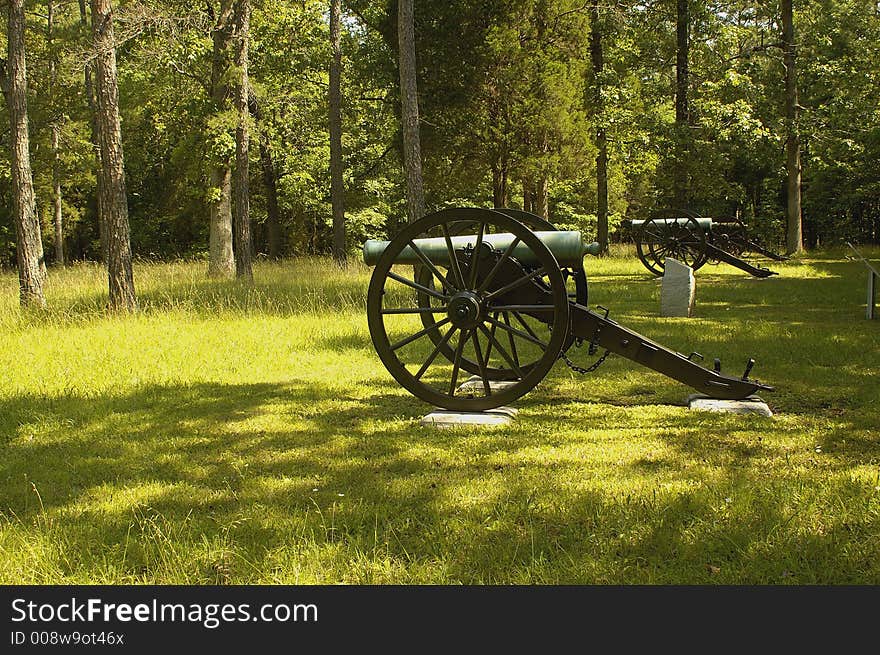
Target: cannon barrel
518	330
568	248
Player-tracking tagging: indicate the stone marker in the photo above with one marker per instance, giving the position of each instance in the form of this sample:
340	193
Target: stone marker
677	290
444	418
750	405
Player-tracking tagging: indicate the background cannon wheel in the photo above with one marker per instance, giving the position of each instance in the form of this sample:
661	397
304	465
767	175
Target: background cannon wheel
730	235
466	301
575	278
682	239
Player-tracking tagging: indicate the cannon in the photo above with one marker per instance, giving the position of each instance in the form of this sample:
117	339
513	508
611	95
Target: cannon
500	295
696	240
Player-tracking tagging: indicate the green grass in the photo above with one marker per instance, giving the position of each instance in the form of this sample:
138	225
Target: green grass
235	435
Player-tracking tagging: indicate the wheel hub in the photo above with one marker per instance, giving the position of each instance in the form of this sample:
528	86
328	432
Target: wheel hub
464	310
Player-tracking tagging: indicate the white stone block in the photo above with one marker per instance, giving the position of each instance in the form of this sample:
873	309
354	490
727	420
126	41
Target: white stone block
677	290
475	384
750	405
444	418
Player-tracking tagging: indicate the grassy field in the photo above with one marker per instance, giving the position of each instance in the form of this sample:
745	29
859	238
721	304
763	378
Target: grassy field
235	435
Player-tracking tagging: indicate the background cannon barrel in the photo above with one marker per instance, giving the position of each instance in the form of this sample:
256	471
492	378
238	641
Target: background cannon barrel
704	222
568	248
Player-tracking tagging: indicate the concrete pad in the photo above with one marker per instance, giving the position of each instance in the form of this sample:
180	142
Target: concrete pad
750	405
444	418
475	384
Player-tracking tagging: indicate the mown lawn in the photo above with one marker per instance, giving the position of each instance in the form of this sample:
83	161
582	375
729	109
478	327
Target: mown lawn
234	435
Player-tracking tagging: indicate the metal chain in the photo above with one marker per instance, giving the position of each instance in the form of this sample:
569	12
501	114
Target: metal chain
580	369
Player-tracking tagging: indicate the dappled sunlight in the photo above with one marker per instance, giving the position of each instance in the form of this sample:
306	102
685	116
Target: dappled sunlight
246	441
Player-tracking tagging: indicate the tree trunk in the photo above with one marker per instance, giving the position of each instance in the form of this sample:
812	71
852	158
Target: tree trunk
96	146
337	191
241	214
221	261
542	184
270	182
29	244
57	215
409	100
794	227
499	182
114	200
597	58
542	197
528	196
682	110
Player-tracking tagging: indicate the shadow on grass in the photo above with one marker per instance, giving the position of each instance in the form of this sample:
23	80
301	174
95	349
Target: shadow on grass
272	469
343	483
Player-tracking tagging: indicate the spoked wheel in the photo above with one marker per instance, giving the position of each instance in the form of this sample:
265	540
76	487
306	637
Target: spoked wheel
502	315
679	238
575	279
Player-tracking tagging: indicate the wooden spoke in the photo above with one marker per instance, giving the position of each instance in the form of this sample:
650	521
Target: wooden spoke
504	256
506	317
516	283
427	262
481	364
519	333
456	362
522	322
413	310
492	340
523	308
435	352
475	257
419	334
417	286
489	346
453	263
654	238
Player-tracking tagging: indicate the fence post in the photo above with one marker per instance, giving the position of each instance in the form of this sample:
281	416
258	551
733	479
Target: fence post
872	283
872	294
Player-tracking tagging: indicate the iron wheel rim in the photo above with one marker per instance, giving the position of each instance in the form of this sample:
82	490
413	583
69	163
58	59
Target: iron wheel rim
388	351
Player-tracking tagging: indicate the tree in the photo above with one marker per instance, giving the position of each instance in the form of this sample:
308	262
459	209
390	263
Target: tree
270	183
57	214
114	198
221	257
240	189
574	108
794	229
337	189
29	245
839	80
92	102
598	64
682	109
409	102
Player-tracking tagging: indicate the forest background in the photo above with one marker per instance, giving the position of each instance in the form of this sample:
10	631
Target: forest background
584	112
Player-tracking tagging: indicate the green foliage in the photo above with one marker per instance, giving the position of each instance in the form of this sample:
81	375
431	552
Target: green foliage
220	137
505	91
